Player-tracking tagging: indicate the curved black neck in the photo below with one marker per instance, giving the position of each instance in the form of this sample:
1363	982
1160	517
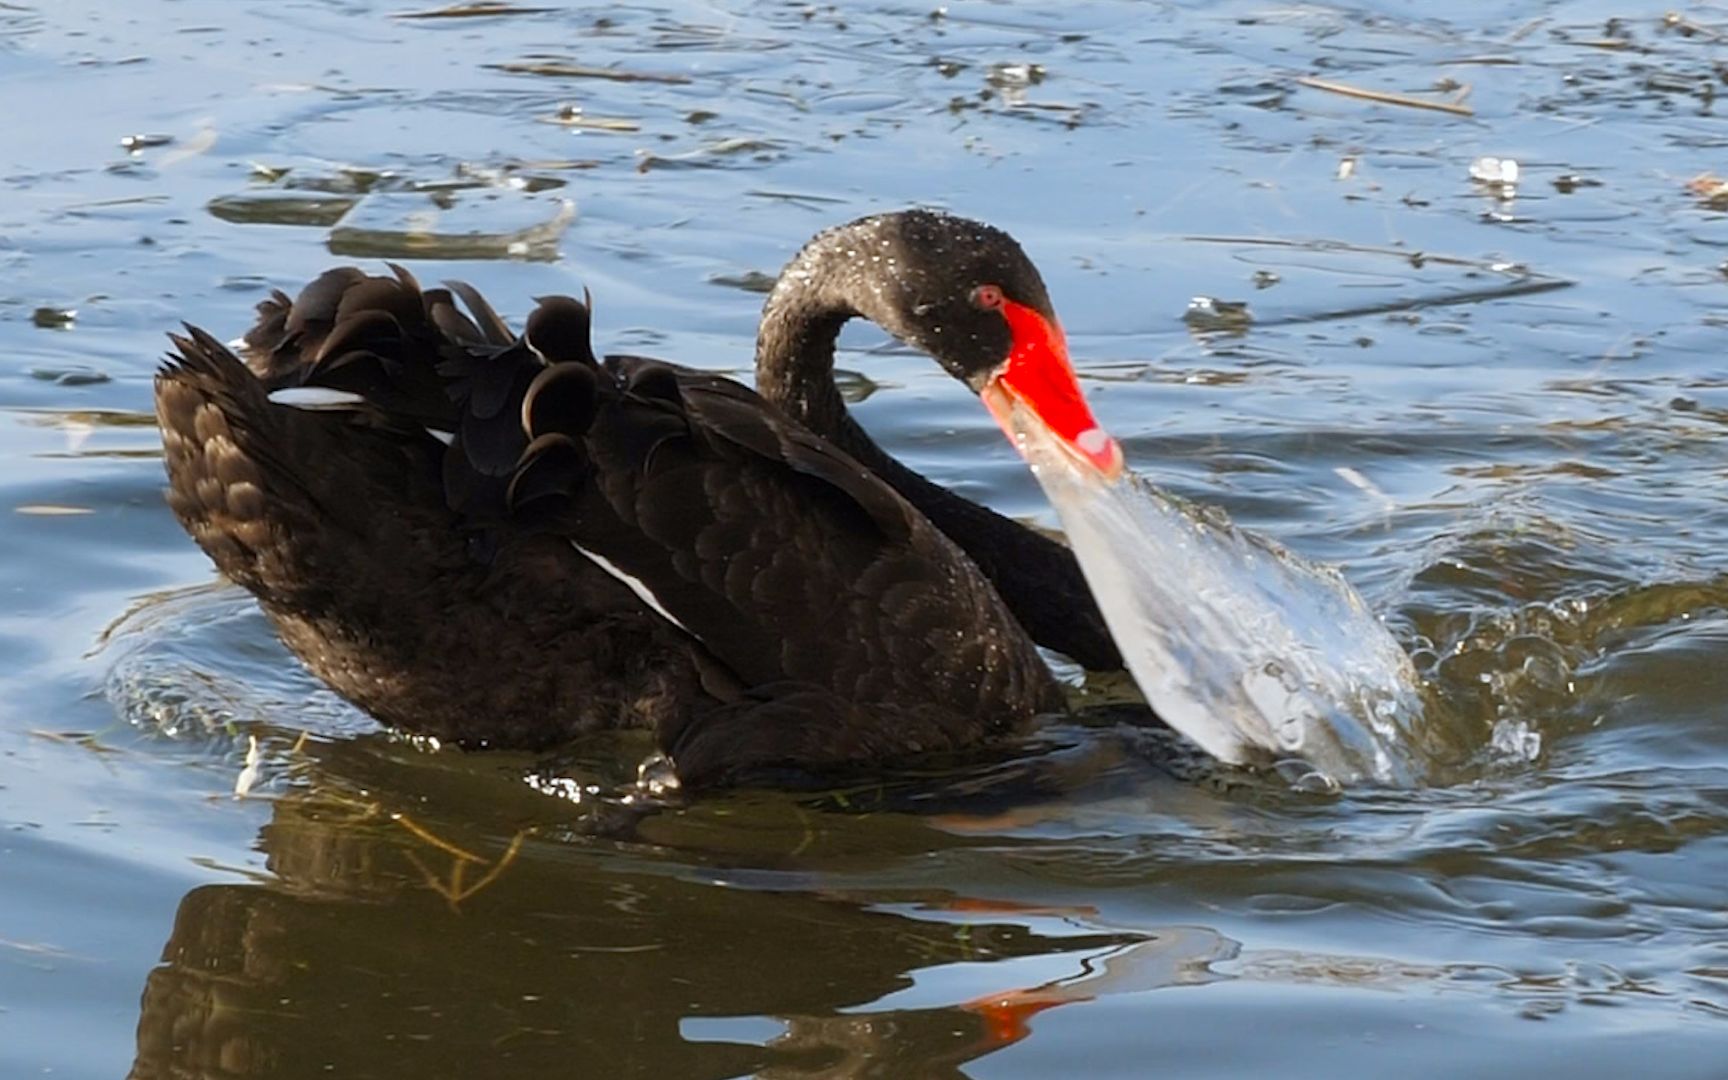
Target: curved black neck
1037	577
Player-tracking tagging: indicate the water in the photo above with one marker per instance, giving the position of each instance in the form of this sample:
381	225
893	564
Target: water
1256	654
1503	419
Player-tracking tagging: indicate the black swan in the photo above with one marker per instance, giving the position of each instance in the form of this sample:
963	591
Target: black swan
499	540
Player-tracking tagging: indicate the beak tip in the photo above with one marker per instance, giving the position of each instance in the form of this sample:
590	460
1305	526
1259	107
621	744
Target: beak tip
1112	467
1102	451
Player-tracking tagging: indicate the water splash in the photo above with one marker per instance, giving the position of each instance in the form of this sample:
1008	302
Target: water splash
1248	649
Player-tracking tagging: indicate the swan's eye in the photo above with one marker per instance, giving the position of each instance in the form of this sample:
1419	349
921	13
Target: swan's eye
987	298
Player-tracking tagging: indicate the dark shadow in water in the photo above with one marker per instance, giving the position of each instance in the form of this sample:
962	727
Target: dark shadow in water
344	965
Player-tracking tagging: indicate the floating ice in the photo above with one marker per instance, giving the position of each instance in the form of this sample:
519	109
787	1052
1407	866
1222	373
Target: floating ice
488	223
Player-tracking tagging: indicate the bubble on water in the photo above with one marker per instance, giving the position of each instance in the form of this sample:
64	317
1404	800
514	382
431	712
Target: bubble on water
1304	777
1495	171
1516	741
657	776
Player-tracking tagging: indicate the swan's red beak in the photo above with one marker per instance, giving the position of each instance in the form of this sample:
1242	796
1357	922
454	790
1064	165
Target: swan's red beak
1039	375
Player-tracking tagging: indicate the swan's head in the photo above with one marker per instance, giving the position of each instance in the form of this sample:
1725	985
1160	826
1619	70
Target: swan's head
1038	378
966	294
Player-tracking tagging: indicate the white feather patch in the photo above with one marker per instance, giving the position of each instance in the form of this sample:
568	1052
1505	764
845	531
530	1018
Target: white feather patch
322	397
315	397
636	585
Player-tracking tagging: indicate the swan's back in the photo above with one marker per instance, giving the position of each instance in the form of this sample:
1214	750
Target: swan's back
498	540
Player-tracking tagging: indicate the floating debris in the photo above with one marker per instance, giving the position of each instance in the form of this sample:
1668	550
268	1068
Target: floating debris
703	156
1495	172
53	318
248	777
1611	44
1685	27
1388	97
323	199
106	204
201	142
70	375
546	165
571	116
1210	313
496	223
1446	279
1009	83
563	69
505	176
1710	188
87	740
796	198
483	9
133	144
1498	177
282	207
750	281
1069	116
1354	477
347	180
51	510
1346	168
1014	76
1567	183
724	38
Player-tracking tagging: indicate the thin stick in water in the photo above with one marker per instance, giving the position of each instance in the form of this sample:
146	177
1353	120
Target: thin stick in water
1386	97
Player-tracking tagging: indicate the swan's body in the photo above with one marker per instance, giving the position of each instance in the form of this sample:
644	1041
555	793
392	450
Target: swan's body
507	543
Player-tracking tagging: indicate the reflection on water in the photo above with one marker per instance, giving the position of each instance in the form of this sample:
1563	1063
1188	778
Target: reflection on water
630	972
1526	480
462	913
639	959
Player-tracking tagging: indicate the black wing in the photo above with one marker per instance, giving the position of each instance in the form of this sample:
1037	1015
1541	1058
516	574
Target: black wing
794	573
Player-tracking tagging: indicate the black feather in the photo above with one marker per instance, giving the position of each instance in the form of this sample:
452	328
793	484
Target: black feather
560	399
783	607
558	331
497	331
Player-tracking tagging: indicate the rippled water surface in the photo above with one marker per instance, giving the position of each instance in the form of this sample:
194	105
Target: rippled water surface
1500	411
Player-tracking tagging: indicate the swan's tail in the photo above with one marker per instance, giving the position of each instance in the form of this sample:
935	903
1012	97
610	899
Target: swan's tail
231	464
406	377
368	526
